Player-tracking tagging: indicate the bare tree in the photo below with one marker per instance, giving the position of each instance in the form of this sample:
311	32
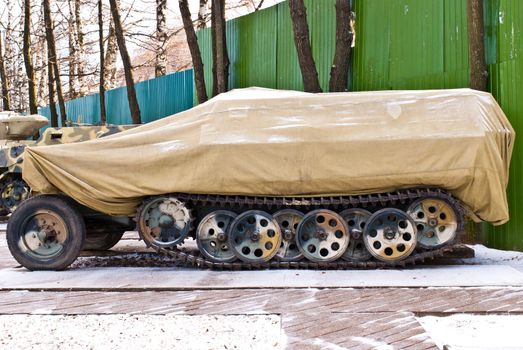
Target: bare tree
214	51
309	73
339	78
476	33
252	4
52	103
202	13
80	59
103	116
220	55
6	101
73	54
120	38
11	57
29	69
53	59
110	58
192	41
161	37
41	62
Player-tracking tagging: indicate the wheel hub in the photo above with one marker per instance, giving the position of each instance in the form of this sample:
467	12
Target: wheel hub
356	220
322	235
166	221
41	235
389	233
45	234
255	236
288	221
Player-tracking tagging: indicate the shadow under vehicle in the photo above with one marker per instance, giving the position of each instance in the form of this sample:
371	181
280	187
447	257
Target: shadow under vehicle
265	178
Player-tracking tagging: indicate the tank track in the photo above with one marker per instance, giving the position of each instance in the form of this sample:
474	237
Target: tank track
401	197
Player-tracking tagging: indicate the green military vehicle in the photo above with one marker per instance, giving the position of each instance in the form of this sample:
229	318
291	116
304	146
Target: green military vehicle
16	133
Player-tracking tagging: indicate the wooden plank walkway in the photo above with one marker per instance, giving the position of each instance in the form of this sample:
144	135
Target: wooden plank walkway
311	318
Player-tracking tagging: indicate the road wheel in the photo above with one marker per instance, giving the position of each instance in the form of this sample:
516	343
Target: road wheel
45	233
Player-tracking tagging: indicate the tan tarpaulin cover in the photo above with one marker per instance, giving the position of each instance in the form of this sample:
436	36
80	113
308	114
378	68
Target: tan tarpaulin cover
272	142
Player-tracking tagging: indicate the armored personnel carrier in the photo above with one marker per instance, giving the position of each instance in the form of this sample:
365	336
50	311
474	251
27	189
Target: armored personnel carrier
16	132
264	178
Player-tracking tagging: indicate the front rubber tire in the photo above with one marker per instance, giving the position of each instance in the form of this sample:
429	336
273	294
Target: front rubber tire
59	207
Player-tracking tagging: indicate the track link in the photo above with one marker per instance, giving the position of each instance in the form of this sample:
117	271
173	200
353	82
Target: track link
401	197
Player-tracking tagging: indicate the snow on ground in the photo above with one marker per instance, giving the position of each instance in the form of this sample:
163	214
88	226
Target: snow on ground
463	331
78	332
489	256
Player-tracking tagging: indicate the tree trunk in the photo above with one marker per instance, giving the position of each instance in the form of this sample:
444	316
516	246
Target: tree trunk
260	4
226	62
214	51
80	49
29	69
222	59
120	39
110	58
192	41
9	57
6	101
53	59
161	38
52	103
303	47
202	12
339	79
72	59
476	32
103	116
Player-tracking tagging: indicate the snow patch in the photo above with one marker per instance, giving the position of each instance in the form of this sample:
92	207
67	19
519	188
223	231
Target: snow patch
56	332
489	256
375	344
463	331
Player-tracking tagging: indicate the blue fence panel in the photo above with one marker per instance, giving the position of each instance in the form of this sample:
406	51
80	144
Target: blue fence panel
158	98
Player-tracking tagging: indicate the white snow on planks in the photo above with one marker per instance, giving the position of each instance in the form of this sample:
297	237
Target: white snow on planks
465	331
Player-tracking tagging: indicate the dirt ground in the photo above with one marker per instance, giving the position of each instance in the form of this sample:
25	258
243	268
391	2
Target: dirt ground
133	299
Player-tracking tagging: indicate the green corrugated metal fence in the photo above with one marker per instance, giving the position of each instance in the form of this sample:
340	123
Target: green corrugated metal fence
410	44
504	33
261	47
157	98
